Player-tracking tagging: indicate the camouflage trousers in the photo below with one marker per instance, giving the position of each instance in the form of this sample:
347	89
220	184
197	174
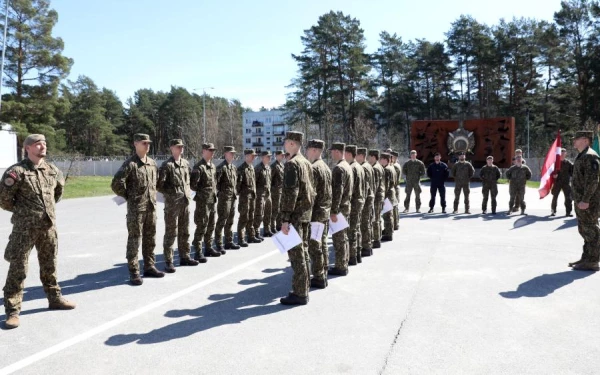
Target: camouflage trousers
517	197
410	186
142	228
20	243
246	210
388	223
587	224
260	213
366	222
341	249
177	223
378	207
566	189
275	207
267	215
204	218
299	261
396	215
354	233
487	190
466	190
319	254
225	217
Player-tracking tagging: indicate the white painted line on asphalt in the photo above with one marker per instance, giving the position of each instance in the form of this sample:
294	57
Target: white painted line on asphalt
113	323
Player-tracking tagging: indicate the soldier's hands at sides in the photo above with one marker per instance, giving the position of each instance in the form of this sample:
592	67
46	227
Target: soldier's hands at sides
285	228
333	218
583	205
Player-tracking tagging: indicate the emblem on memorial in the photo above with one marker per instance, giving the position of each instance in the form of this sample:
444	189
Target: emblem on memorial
461	140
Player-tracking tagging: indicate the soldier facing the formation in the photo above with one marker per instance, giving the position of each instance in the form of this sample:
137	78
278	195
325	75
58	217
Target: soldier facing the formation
276	187
462	172
226	196
389	178
341	193
136	181
174	184
563	182
358	203
438	173
366	223
517	174
246	188
413	170
379	196
263	196
489	175
30	190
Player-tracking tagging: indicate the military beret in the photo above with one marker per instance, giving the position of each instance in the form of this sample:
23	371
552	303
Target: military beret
489	158
361	151
208	146
294	136
385	156
395	153
351	149
139	137
278	152
339	146
265	153
375	153
176	142
316	143
229	149
249	151
584	134
33	139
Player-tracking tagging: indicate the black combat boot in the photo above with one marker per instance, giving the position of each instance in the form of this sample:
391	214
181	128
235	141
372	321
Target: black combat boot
232	246
366	252
318	283
210	252
153	272
352	261
220	249
337	272
376	244
188	262
135	279
169	267
386	238
293	299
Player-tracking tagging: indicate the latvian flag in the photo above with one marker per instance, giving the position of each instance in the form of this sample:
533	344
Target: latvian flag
550	167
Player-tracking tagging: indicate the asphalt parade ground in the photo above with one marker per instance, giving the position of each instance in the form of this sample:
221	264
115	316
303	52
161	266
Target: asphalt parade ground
452	294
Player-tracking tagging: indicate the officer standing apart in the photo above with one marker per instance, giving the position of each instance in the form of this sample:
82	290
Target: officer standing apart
318	250
586	194
562	181
174	184
246	188
204	183
438	173
517	174
462	172
276	187
413	170
30	190
358	203
390	193
226	195
341	195
296	210
489	175
379	184
366	224
398	176
136	181
263	195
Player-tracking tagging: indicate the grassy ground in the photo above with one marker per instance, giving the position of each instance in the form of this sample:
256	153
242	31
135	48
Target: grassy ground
87	186
531	184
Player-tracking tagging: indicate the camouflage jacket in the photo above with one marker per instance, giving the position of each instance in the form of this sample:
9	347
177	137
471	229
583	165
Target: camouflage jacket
413	170
246	181
397	175
389	181
322	188
378	182
298	195
585	177
31	193
226	180
204	182
490	174
462	172
136	181
518	176
174	181
359	182
276	177
341	188
369	179
263	180
565	173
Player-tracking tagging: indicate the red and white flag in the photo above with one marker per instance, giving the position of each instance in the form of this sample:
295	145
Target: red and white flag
550	167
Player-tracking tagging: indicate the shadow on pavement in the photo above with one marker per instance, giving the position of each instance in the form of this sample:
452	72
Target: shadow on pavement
546	284
568	223
526	220
255	301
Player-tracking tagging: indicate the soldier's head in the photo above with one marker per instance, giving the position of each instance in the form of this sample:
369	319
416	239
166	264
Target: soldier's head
384	160
35	147
208	151
413	154
518	152
489	160
229	153
437	157
461	156
314	149
394	156
176	147
583	139
141	142
265	157
361	154
337	151
563	153
293	142
350	153
279	155
249	155
518	160
374	156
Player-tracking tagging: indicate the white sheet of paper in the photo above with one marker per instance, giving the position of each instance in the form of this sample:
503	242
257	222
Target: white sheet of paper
341	224
119	200
316	231
286	242
387	206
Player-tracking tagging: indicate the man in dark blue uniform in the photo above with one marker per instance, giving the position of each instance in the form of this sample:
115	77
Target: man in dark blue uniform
438	172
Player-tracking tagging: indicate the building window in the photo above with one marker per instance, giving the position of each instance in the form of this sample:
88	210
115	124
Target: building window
248	131
248	140
268	138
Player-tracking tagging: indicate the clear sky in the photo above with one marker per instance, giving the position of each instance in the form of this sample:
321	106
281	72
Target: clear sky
242	48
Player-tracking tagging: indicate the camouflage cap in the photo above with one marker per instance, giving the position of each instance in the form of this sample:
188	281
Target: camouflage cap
176	142
339	146
294	136
385	156
265	153
249	151
229	149
460	153
563	149
584	134
388	151
139	137
395	153
208	146
33	139
489	158
361	151
279	152
351	149
375	153
316	143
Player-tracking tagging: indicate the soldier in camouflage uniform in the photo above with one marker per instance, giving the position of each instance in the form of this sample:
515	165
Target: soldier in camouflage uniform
341	194
30	190
318	250
263	195
366	223
489	175
389	178
398	175
413	170
226	195
358	203
204	183
276	187
462	172
296	210
246	188
379	196
562	181
586	193
517	174
136	181
174	184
